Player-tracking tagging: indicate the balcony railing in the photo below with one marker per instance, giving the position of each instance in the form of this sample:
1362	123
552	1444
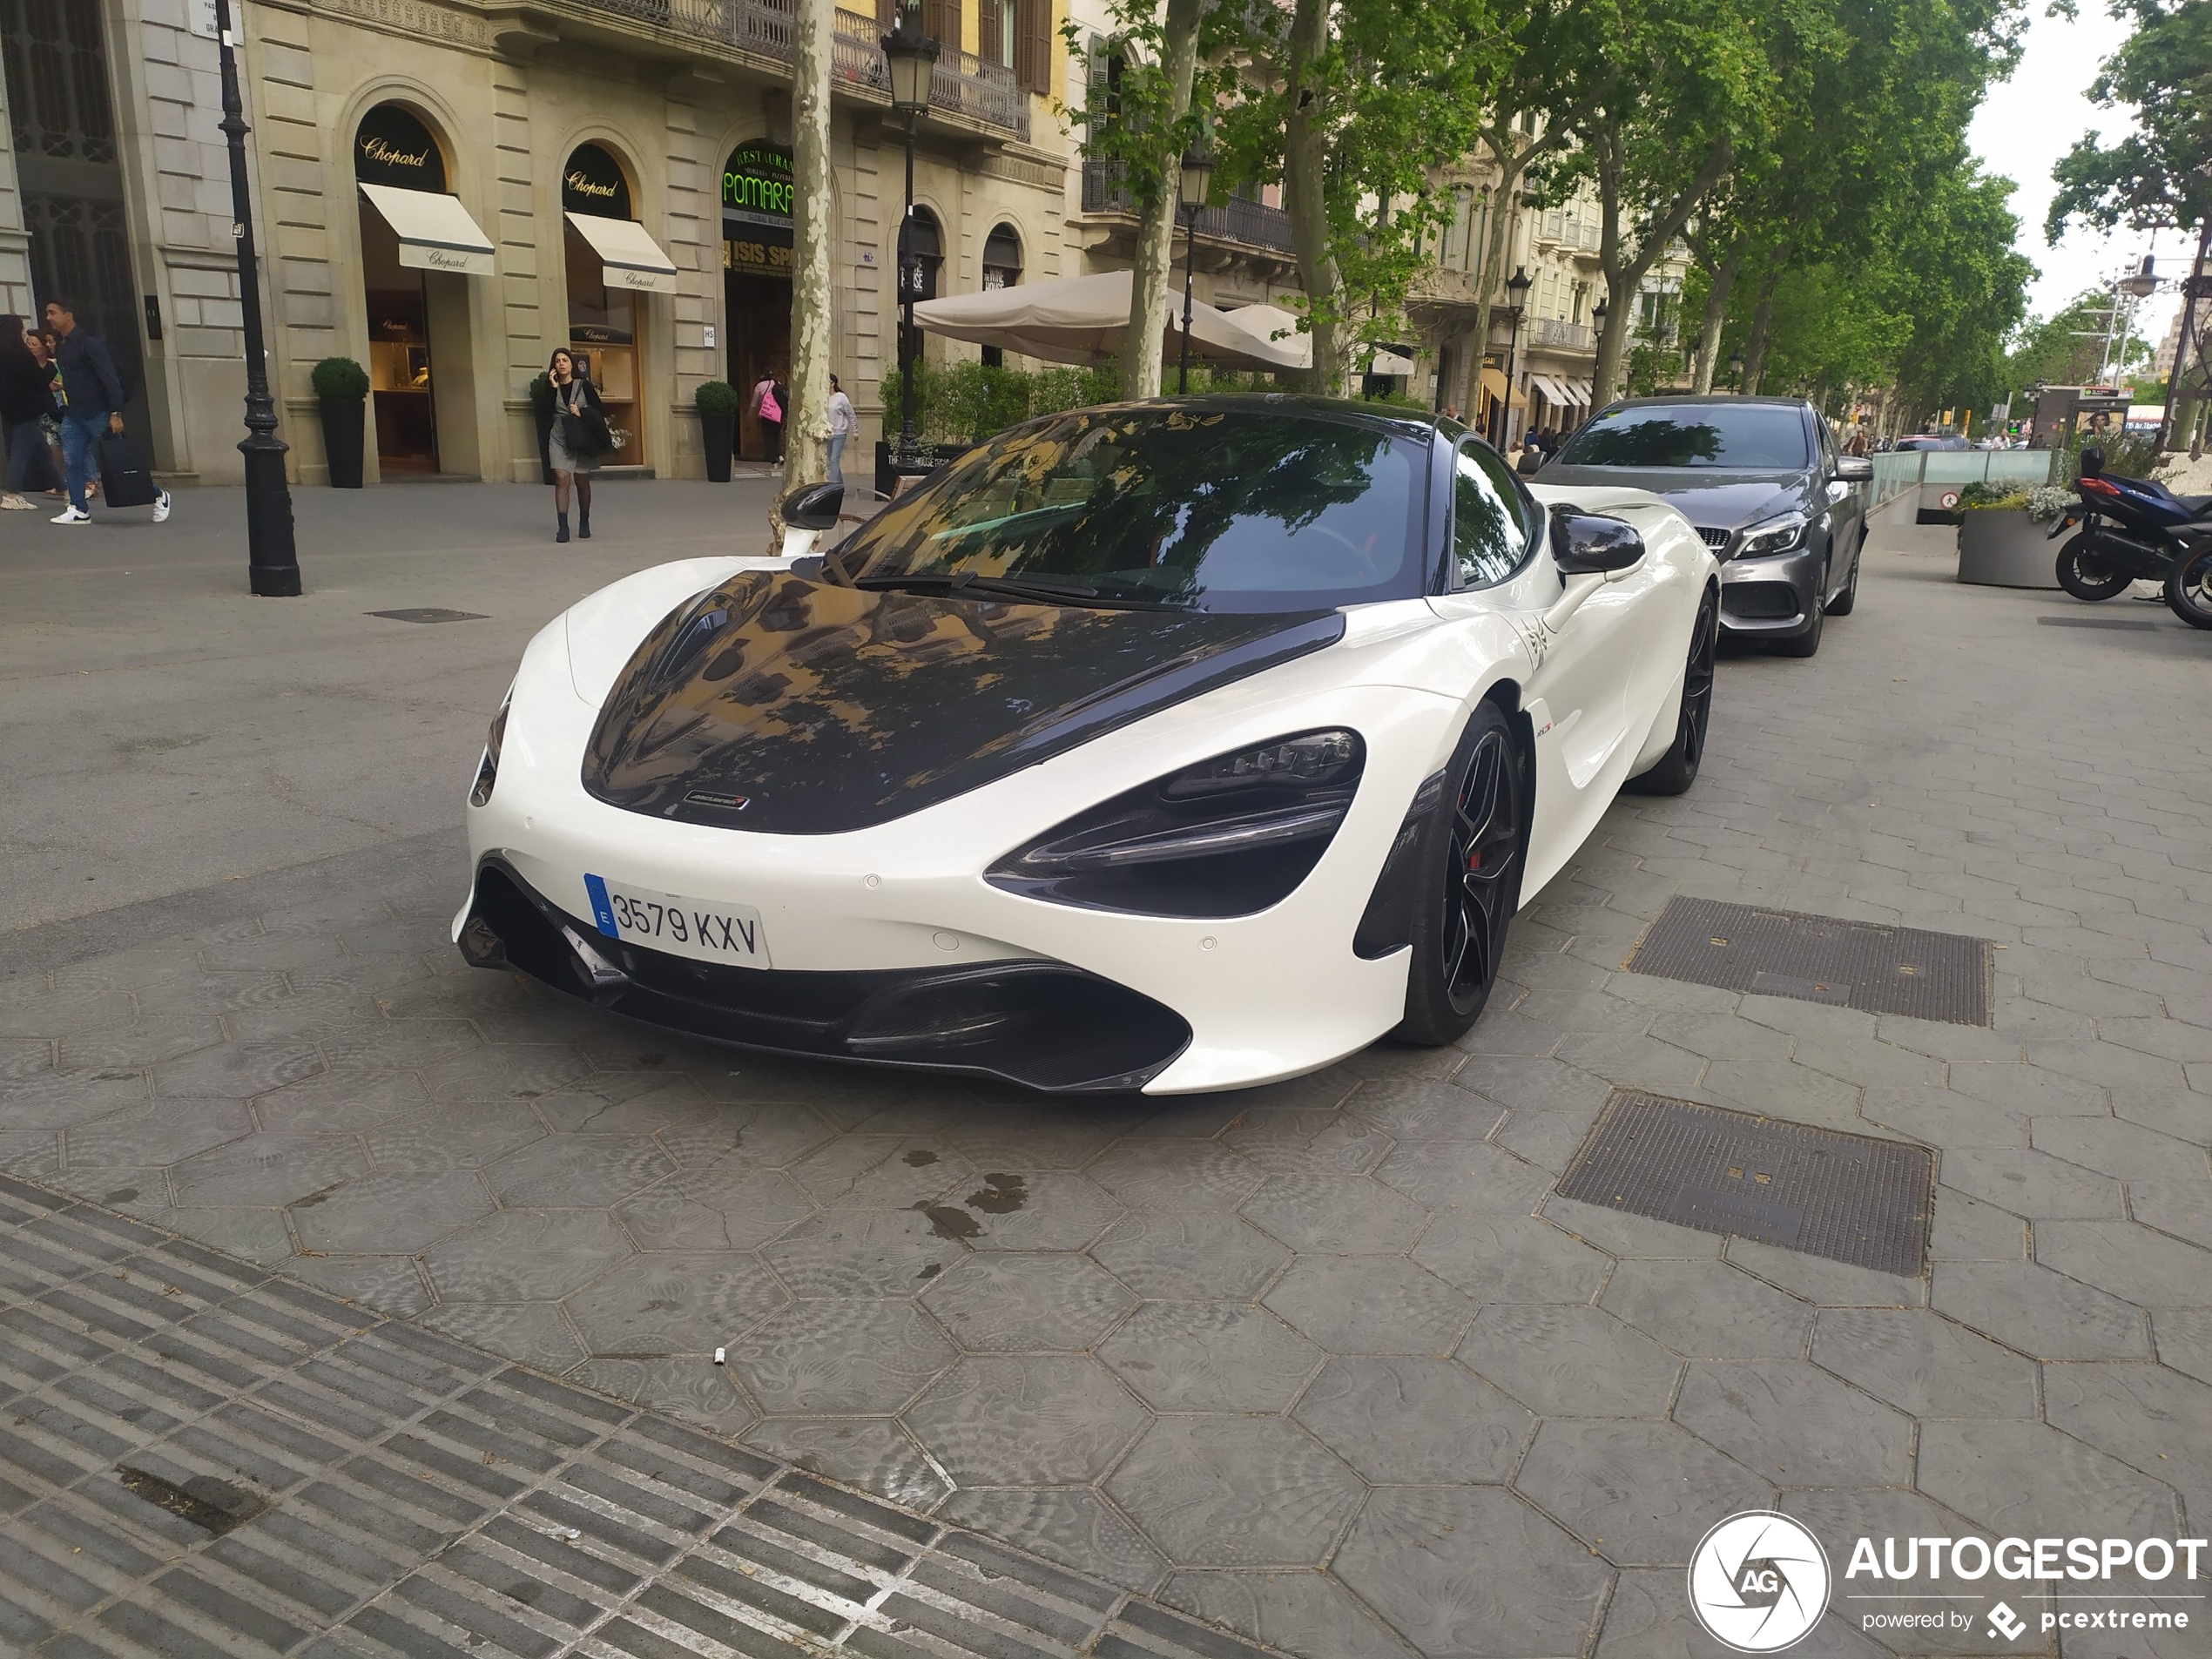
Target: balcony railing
962	85
1253	224
1559	334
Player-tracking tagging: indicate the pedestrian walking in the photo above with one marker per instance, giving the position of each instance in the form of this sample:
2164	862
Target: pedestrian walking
844	421
768	399
25	400
92	399
579	438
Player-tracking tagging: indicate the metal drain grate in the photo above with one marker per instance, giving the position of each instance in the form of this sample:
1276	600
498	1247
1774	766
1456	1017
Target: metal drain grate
430	613
2099	622
1864	965
1849	1197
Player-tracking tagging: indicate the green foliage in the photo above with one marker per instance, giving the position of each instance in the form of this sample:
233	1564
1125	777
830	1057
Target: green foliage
2162	76
716	397
967	402
339	379
1983	496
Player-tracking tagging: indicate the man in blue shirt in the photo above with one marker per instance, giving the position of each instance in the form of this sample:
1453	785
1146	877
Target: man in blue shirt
93	394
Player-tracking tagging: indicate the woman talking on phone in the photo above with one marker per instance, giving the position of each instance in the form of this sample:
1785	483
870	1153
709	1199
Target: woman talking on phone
579	438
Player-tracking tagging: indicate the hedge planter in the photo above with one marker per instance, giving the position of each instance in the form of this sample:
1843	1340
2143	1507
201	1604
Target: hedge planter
345	429
2004	548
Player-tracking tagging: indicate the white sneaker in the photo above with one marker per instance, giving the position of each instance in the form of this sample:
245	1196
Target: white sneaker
70	515
161	507
16	504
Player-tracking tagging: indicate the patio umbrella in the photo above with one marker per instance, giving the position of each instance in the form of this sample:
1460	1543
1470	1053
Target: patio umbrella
1278	328
1082	320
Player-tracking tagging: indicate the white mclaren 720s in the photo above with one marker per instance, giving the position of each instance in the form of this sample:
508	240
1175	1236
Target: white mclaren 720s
1169	746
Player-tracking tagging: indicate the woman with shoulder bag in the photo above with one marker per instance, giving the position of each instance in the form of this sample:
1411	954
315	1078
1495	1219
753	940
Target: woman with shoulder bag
26	399
577	442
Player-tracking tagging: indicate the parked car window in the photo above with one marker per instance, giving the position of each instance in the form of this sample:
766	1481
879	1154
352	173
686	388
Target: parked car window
1751	437
1827	445
1489	540
1233	510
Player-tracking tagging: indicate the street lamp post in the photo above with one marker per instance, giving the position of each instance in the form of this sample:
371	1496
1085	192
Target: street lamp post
273	559
1736	372
912	57
1517	285
1190	194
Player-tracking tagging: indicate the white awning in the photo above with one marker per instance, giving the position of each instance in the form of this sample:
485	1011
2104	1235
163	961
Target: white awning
632	259
1277	328
1580	391
435	232
1552	391
1084	319
1390	362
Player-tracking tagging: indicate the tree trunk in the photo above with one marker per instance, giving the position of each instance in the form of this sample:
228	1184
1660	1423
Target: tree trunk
1623	274
806	423
1709	354
1754	345
1148	288
1306	196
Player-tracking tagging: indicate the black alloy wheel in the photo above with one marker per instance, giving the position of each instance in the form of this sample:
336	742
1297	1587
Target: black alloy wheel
1469	869
2188	588
1673	771
1808	643
2085	575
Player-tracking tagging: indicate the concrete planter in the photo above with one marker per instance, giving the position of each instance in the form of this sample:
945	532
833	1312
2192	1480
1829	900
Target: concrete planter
2004	548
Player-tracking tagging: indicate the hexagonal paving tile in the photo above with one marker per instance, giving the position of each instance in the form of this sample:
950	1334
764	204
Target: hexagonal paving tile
1235	1491
581	1172
688	1302
2028	1480
1472	1571
1031	1419
1709	1309
1512	1259
1339	1214
2039	1312
871	1453
531	1332
1571	1361
389	1212
1307	1614
526	1255
160	1132
1795	1424
1004	1302
1402	1421
1370	1304
856	1252
1921	1363
1052	1210
752	1203
1473	1177
1211	1357
848	1355
1176	1174
1071	1525
880	1171
268	1170
1190	1256
1649	1490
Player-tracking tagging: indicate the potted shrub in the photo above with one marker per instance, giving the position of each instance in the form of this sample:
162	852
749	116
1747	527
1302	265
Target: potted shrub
342	394
542	412
2002	543
718	406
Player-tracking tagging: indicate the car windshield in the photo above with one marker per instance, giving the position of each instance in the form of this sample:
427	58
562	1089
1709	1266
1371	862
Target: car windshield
1207	509
1746	437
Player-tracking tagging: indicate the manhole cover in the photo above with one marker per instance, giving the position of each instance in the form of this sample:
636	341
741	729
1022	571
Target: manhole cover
1849	1197
2136	624
430	613
1864	965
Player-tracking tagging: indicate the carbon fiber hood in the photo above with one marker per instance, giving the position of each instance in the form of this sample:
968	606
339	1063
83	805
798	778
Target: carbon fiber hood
781	705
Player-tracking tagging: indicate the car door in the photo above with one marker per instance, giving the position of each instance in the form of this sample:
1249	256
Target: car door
1844	514
1576	693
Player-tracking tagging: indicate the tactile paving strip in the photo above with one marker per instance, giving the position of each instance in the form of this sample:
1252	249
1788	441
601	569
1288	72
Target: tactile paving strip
200	1460
1849	1197
1864	965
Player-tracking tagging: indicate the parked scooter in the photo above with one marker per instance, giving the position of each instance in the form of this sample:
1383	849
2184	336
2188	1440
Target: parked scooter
2132	530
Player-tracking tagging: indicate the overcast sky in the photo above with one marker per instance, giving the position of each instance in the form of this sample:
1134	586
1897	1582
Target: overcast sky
2027	122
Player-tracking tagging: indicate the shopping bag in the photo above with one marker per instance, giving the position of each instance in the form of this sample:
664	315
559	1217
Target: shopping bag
126	472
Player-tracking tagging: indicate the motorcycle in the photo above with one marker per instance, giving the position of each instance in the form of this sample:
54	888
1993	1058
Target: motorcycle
2134	529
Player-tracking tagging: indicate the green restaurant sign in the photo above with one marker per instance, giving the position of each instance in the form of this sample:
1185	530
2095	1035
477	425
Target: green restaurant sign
757	185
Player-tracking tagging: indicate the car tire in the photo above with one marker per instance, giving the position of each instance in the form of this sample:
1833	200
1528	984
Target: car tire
1676	770
1467	867
1808	643
2082	573
1846	602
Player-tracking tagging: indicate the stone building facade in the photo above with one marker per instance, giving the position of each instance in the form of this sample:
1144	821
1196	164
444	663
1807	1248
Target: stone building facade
447	190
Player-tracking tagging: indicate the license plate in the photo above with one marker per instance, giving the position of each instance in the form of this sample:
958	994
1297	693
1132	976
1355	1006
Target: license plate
681	927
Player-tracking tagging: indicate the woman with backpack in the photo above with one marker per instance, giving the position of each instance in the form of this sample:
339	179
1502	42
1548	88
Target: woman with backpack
768	400
578	440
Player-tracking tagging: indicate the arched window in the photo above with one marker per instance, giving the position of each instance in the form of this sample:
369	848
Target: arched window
593	182
922	254
1001	258
394	146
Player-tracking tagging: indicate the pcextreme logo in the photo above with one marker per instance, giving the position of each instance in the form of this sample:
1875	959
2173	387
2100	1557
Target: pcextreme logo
1759	1582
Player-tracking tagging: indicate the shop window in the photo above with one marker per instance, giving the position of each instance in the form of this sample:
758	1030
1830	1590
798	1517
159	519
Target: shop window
606	322
1001	269
394	146
921	263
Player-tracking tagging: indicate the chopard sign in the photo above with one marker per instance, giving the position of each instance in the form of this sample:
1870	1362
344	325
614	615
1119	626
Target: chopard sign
376	150
582	186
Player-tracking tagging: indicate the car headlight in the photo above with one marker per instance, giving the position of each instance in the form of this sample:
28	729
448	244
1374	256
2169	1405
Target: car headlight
1777	535
1227	837
488	768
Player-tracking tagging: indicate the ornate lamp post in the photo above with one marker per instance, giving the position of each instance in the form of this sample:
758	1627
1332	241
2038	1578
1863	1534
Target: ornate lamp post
1736	372
1191	196
272	560
913	58
1517	285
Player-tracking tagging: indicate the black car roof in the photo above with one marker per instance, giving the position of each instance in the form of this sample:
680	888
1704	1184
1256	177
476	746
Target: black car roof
1705	397
1386	416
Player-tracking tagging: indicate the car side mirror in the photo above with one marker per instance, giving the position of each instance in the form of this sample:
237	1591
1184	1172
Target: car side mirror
813	507
1854	469
1586	544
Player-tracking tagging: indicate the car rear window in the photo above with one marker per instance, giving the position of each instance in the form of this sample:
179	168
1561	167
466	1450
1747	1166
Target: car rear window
1751	438
1232	510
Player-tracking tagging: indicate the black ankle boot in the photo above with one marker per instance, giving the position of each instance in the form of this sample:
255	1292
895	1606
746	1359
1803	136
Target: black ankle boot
583	522
563	535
